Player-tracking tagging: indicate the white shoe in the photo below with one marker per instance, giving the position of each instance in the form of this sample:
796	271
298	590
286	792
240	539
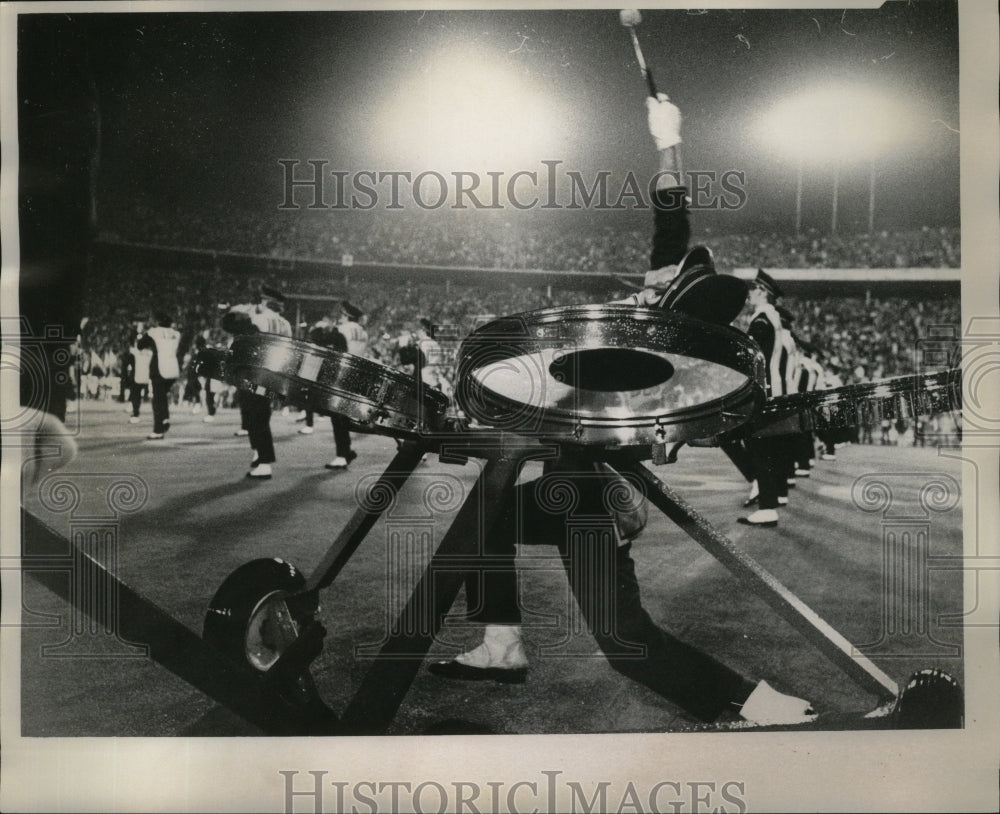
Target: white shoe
306	431
501	647
499	658
752	497
301	416
768	518
337	463
134	420
782	501
209	419
241	433
155	436
826	456
261	471
802	473
767	706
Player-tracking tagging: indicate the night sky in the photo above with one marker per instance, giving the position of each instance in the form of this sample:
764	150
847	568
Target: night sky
197	108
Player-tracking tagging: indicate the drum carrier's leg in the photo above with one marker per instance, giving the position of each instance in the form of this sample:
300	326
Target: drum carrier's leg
831	643
384	686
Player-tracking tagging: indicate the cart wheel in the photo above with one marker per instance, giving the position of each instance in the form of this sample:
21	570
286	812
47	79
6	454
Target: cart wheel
932	699
241	620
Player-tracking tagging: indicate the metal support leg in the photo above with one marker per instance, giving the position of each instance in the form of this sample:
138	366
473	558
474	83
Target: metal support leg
831	643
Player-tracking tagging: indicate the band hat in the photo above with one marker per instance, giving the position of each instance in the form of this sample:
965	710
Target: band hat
806	347
765	281
698	291
352	310
786	316
272	295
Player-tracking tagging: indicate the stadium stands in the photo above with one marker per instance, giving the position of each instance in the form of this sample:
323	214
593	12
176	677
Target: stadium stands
865	338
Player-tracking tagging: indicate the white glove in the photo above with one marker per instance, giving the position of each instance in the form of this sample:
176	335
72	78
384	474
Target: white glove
664	121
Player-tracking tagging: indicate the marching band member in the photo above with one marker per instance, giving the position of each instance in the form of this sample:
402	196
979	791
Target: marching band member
333	332
263	316
431	357
830	437
206	385
790	365
765	329
164	369
138	375
810	375
350	326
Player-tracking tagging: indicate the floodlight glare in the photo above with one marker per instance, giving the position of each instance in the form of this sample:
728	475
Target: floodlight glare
468	111
836	123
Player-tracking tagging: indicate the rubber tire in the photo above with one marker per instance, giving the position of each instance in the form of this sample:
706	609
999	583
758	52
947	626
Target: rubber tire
229	612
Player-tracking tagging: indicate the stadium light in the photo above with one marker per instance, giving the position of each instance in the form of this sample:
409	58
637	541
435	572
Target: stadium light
835	124
467	110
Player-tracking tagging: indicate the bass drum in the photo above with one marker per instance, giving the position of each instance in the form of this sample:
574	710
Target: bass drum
611	376
373	397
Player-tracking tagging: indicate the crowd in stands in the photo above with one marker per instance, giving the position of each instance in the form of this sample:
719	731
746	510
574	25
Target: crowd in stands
554	241
861	338
864	339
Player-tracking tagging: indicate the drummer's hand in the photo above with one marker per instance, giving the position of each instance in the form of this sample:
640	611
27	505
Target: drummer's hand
646	298
664	121
649	297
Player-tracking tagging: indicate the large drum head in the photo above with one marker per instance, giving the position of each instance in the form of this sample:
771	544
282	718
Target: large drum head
372	396
609	375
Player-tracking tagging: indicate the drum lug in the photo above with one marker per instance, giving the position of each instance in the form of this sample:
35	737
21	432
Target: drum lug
659	447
